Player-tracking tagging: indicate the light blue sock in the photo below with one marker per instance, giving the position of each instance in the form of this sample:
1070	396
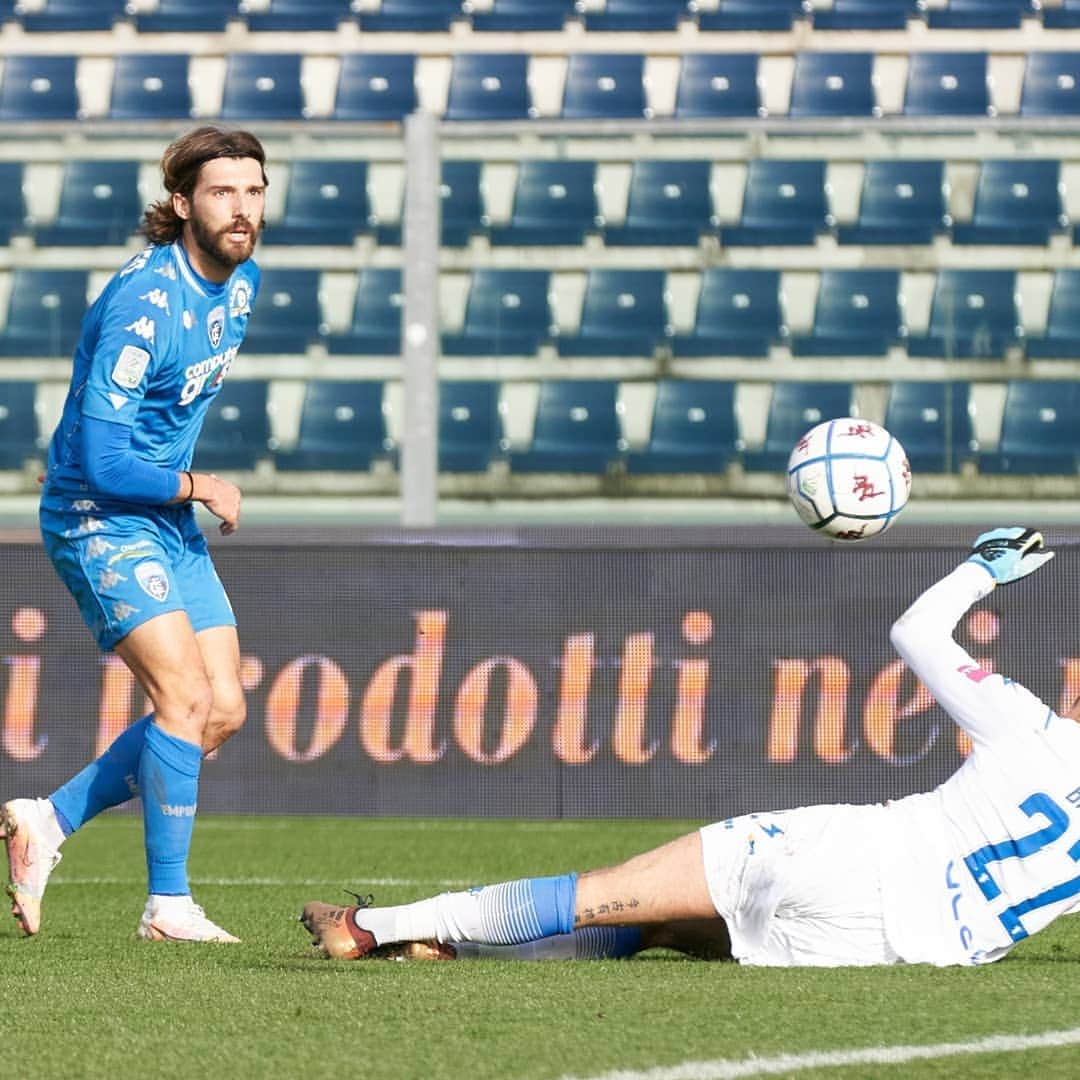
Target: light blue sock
606	942
527	909
169	782
108	781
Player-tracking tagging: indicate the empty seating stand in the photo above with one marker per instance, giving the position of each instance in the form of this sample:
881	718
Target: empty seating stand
794	408
738	314
150	86
718	85
636	15
524	15
624	314
669	203
554	203
38	88
411	16
99	204
1061	338
187	17
1040	429
287	315
784	202
902	202
857	314
973	315
489	86
262	86
1051	82
326	202
376	86
867	15
18	424
605	86
507	314
290	15
753	15
342	427
933	422
1017	201
576	430
44	313
833	84
471	434
236	431
13	219
375	329
59	16
948	84
980	14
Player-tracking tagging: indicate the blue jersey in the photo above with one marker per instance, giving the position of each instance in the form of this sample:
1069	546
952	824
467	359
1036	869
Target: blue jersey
153	351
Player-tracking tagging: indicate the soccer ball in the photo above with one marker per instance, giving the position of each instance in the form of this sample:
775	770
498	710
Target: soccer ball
848	478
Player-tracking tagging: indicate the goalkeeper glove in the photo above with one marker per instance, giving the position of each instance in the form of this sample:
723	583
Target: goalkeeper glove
1009	554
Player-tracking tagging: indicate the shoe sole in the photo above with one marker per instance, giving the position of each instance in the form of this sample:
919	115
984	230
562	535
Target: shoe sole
150	932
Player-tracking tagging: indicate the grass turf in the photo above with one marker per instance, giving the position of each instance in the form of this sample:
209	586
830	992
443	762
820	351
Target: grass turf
86	999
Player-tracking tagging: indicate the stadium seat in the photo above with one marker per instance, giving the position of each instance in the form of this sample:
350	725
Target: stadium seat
376	316
738	314
669	204
973	315
376	86
292	15
979	14
411	16
833	84
902	202
18	424
867	15
187	17
794	408
717	85
149	86
947	84
7	10
236	431
38	88
1040	429
1051	82
753	15
857	314
1065	17
1017	201
524	16
69	15
694	429
933	423
1061	338
489	86
462	197
605	86
785	202
554	203
326	202
646	16
342	427
576	430
99	204
262	86
286	317
13	217
507	314
471	434
44	312
624	314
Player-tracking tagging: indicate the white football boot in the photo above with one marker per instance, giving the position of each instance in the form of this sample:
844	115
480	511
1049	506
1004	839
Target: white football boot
31	833
178	918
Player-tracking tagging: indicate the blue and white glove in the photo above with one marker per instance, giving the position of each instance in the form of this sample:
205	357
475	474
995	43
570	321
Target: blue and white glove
1010	554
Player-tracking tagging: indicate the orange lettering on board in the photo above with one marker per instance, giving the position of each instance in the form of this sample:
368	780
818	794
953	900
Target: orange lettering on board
830	716
471	705
331	708
572	715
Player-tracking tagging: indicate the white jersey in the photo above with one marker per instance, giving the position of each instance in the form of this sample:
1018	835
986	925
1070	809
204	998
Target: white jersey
993	854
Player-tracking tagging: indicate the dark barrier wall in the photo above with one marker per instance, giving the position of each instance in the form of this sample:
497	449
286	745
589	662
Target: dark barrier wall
580	674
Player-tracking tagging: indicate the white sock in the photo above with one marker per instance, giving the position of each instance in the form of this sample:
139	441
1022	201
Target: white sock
169	905
448	917
51	832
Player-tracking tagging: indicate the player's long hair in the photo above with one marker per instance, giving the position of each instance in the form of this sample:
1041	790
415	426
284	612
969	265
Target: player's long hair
180	167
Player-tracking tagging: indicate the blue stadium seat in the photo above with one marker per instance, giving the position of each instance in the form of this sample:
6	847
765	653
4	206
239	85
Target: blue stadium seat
605	86
738	314
471	435
973	315
18	424
576	430
44	312
286	317
1017	201
624	314
1065	17
326	202
376	316
13	217
794	408
292	15
857	314
520	16
187	17
641	15
70	15
785	202
7	10
933	423
342	428
979	15
753	15
262	86
507	314
236	431
947	84
718	84
39	88
150	86
376	86
462	196
867	15
902	202
1061	338
489	86
554	203
833	84
694	429
412	16
99	204
1051	82
669	204
1040	429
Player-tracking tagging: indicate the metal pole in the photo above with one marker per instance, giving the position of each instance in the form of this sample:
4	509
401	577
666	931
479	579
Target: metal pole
420	322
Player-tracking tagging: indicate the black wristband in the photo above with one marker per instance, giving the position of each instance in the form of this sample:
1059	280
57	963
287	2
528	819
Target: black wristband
191	486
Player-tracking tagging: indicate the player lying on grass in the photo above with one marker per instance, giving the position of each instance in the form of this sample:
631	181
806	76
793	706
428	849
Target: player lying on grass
958	875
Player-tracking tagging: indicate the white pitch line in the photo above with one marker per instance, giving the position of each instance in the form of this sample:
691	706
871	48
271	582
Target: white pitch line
245	882
819	1059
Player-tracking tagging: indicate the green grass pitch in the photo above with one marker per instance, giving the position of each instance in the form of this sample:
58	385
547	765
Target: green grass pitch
85	999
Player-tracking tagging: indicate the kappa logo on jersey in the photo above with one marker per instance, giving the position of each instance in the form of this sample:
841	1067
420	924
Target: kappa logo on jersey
158	297
98	547
130	367
142	327
188	319
85	506
215	325
240	298
168	271
138	262
153	580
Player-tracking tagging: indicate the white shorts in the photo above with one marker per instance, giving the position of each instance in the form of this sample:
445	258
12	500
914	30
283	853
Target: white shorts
800	887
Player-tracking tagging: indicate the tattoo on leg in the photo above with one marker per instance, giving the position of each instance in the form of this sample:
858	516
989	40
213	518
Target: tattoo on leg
616	907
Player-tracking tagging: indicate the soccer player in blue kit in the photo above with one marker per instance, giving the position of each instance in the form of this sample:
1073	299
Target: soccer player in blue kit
119	525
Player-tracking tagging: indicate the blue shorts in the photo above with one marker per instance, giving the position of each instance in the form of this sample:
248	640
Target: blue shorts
125	568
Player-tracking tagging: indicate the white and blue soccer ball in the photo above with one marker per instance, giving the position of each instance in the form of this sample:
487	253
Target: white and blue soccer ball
848	478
